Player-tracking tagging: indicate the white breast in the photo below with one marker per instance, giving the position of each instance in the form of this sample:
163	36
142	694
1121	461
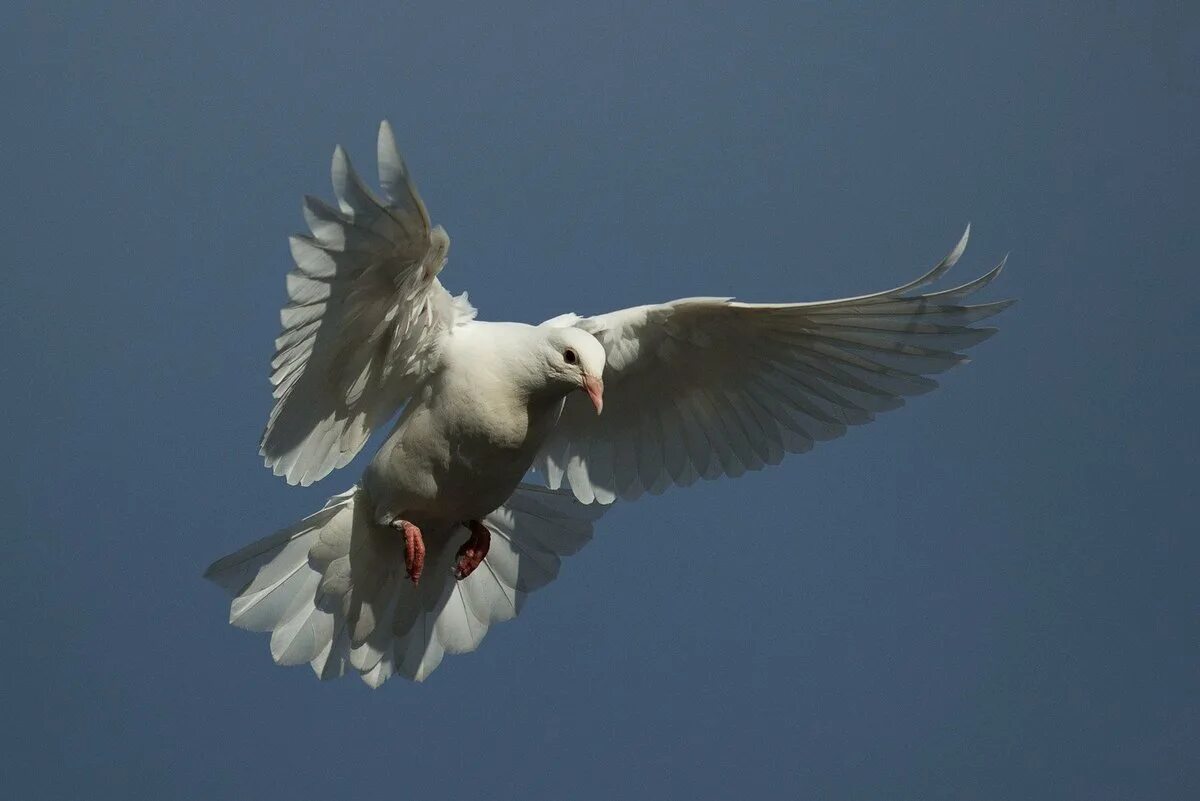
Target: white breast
464	443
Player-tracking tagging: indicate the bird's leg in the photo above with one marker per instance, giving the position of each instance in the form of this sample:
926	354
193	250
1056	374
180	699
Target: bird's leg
414	548
472	552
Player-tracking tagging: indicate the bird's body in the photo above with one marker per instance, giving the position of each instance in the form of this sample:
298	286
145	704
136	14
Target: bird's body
441	538
470	433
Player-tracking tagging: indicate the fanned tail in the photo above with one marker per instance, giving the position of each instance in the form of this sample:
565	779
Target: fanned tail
332	588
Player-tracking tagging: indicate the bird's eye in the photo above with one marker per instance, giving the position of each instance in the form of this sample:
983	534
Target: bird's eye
569	356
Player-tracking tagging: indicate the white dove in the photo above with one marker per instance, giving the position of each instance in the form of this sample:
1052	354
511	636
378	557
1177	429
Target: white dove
441	538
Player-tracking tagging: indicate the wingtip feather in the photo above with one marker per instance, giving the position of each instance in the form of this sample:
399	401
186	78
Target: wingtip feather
961	247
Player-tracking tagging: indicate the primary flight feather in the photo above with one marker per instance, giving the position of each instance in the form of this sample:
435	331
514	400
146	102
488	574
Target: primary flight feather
443	536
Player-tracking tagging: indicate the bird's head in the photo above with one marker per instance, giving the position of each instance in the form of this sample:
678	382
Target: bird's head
576	361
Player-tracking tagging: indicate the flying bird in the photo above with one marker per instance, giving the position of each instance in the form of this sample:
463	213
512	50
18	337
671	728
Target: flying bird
446	532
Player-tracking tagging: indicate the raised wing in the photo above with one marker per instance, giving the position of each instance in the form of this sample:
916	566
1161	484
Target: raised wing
364	318
705	387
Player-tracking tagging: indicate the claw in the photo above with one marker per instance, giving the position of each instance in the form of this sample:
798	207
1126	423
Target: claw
414	549
473	551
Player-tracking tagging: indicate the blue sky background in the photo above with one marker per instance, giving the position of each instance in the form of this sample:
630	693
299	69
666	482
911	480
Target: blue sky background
991	593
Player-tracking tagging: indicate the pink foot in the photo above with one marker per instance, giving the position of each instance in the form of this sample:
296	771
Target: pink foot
414	549
472	552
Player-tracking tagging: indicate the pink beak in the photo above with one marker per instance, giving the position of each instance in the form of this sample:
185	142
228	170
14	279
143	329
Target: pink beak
594	388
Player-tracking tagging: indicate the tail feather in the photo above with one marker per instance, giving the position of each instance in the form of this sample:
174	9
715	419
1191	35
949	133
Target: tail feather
305	629
332	589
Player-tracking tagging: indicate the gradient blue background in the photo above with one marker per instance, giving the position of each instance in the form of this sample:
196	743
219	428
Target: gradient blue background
991	594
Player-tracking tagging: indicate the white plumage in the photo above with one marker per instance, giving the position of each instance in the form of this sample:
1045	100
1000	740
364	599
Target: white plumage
693	388
705	387
333	592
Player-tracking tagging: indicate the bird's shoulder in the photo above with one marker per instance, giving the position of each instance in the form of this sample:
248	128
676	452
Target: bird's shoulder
480	346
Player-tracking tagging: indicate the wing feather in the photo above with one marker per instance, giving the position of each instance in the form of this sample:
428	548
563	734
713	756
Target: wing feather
704	387
364	320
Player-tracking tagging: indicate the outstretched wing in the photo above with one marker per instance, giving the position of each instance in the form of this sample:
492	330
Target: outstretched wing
705	387
364	318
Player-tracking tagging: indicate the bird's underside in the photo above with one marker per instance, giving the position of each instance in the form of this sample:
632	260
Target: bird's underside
693	388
